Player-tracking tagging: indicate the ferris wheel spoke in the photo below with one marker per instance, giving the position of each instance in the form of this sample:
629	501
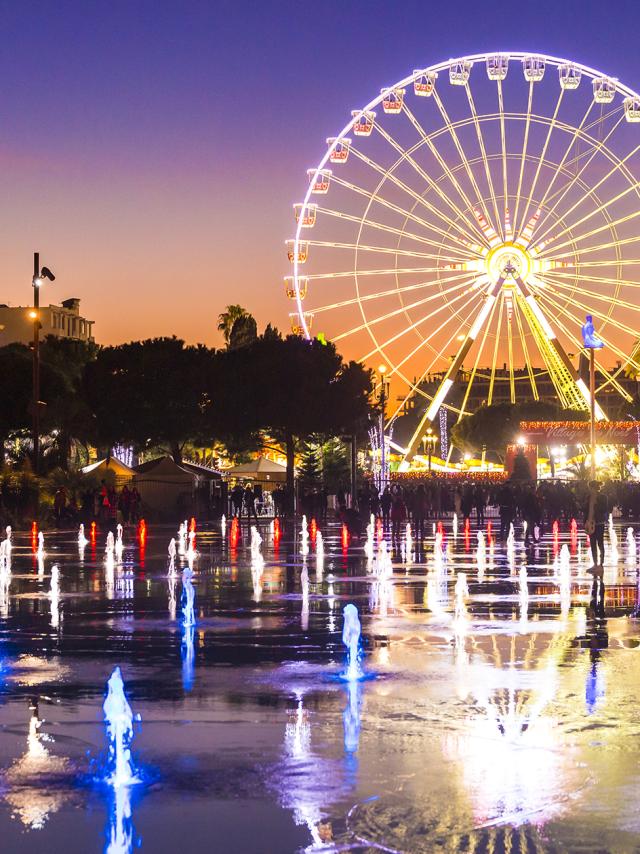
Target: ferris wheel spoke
474	370
523	157
414	388
590	310
398	232
541	160
402	309
406	156
600	209
463	157
561	165
413	326
485	161
561	194
389	271
494	363
611	244
471	224
389	293
558	281
609	225
525	350
503	145
405	214
385	250
388	175
561	311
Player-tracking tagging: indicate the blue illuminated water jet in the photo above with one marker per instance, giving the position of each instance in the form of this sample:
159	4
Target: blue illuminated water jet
351	632
188	598
118	718
187	650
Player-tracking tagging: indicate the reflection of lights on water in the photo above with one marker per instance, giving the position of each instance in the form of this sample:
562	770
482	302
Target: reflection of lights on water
120	823
28	794
54	596
171	584
523	596
187	651
304	615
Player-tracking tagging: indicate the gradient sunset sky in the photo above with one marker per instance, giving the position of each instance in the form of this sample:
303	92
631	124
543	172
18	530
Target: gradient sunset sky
152	150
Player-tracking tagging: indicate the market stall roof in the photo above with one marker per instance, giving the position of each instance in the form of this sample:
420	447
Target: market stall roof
258	468
111	464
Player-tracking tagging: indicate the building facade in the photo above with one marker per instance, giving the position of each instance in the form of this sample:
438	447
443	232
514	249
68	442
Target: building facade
63	321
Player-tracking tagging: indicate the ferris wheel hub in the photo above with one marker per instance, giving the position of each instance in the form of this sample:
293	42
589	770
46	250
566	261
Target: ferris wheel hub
508	261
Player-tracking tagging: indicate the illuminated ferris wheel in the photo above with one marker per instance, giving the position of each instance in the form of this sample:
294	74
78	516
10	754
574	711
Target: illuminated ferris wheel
462	224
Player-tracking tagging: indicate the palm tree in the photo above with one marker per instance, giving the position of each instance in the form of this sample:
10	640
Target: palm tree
227	318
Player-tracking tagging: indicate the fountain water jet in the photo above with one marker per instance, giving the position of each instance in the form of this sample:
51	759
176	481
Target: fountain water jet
82	540
188	598
119	726
351	632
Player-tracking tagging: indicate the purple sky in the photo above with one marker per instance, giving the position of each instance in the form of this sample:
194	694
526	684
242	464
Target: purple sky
152	150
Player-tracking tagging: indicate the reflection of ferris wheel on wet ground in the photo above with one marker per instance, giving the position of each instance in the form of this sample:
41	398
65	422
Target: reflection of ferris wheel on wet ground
463	223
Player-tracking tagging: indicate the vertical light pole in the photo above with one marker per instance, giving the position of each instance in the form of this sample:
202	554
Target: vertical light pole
38	277
592	343
429	440
383	445
592	402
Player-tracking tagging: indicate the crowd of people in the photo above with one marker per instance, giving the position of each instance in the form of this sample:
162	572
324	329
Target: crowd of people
538	504
105	504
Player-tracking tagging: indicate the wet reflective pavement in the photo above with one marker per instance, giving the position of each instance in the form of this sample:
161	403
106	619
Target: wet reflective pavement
505	723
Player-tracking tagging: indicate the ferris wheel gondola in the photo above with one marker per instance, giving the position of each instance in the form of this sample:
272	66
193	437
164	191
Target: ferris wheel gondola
463	222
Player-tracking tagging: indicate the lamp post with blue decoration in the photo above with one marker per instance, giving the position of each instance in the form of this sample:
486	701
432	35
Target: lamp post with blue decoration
592	343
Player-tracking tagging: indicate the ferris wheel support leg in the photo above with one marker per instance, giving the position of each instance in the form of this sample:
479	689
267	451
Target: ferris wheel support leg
557	346
449	378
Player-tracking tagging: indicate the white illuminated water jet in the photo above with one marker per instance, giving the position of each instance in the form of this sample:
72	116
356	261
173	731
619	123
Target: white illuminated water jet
319	556
408	542
192	554
481	556
384	565
172	551
304	581
110	545
182	538
304	537
351	631
523	583
82	540
461	592
631	538
256	539
613	537
511	539
188	598
454	524
171	582
118	719
8	532
54	596
118	546
40	553
223	524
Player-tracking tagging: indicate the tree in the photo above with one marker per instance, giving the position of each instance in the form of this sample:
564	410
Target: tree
310	468
228	318
148	394
243	332
290	388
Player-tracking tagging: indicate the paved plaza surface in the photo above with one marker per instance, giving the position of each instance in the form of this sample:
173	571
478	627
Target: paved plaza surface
505	720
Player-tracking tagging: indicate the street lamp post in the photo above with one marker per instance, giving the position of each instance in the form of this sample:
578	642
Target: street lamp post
592	343
38	277
383	445
429	440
